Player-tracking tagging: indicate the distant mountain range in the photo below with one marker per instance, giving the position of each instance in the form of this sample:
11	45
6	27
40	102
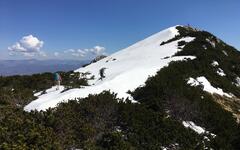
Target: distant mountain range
32	66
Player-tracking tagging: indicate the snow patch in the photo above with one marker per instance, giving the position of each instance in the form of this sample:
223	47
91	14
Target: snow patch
215	63
191	81
185	43
193	126
207	86
237	80
38	93
198	129
220	72
213	44
204	46
170	147
225	53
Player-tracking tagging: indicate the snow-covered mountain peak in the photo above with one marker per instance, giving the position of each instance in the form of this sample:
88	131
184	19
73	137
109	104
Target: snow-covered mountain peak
147	52
125	70
156	38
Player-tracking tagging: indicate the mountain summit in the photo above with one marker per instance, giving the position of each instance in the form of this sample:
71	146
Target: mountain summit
215	68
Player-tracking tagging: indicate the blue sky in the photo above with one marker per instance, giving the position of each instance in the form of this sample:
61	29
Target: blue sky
62	28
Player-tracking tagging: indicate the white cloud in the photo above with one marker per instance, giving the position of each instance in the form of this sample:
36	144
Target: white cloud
78	55
88	53
56	54
28	46
17	47
42	53
75	53
31	43
11	54
81	51
98	49
69	51
28	54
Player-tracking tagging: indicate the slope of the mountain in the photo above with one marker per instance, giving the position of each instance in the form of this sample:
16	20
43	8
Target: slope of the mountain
124	71
202	93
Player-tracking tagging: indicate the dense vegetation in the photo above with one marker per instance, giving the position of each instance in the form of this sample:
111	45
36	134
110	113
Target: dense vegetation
183	102
104	122
96	122
168	90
